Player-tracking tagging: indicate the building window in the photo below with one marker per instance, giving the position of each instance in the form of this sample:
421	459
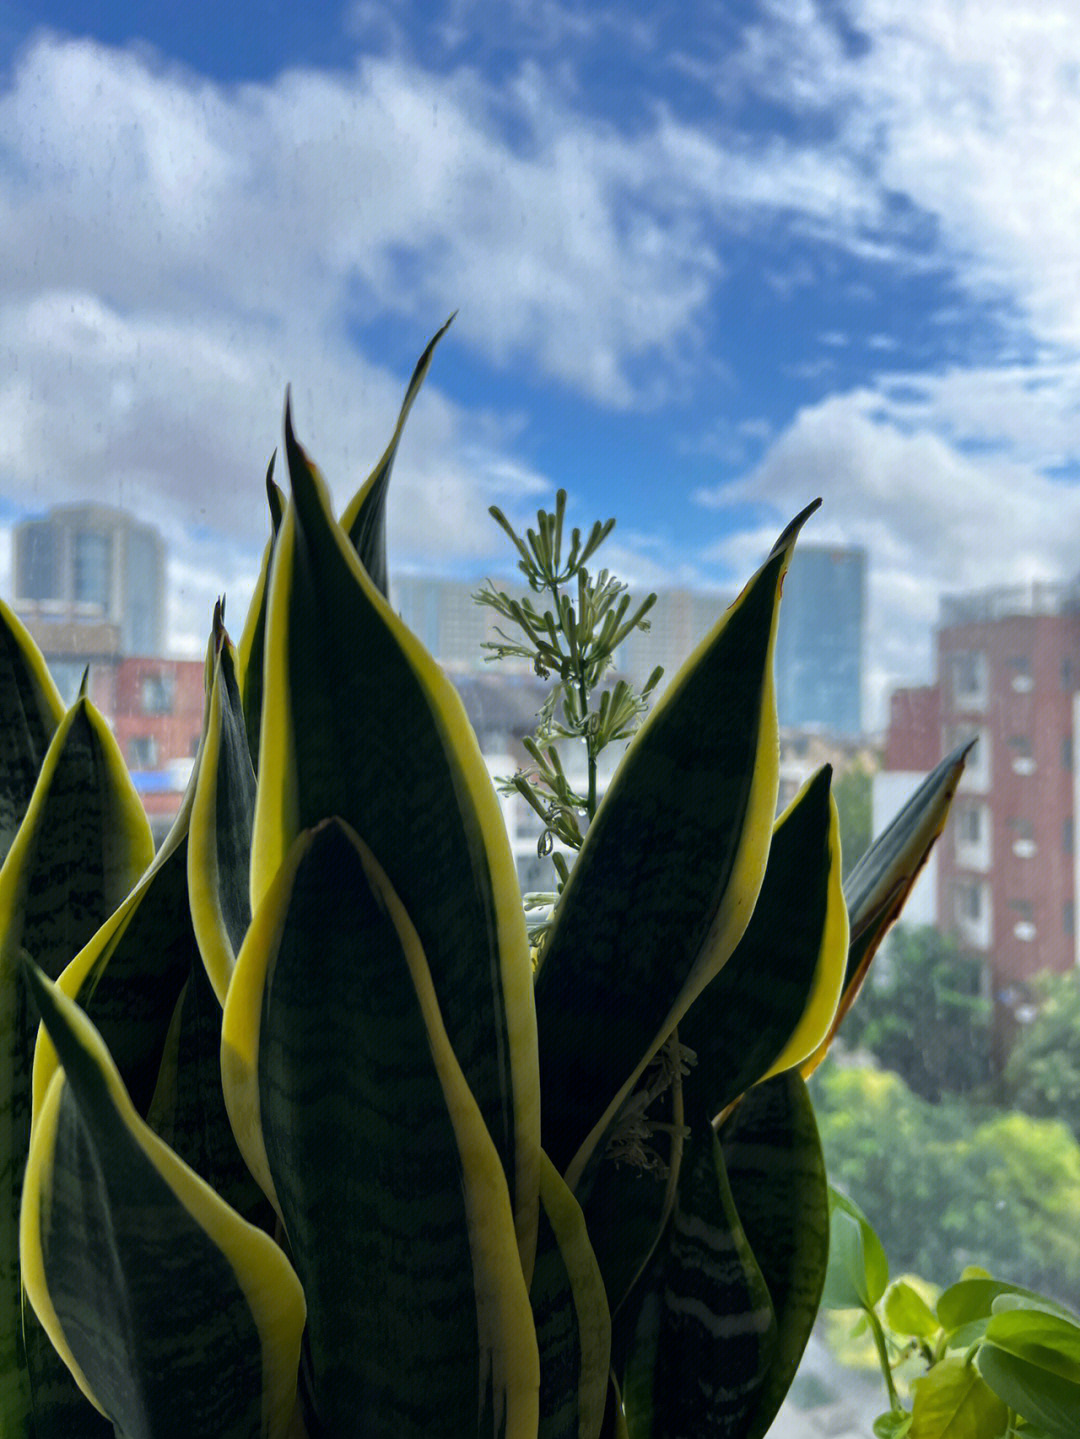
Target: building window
1024	918
969	678
1023	761
976	774
38	562
969	824
969	902
1067	752
1067	835
1068	917
1068	676
142	751
92	568
158	693
1020	669
1023	831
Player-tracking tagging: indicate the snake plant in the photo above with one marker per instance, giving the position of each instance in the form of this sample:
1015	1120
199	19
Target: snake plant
304	1145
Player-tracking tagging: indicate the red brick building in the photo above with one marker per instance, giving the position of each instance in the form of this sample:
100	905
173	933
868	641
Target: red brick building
155	708
1008	664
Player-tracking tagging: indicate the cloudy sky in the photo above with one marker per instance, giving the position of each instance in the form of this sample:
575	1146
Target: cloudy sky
709	260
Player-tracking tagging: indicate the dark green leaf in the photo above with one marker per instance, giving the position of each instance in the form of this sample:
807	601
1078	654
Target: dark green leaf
222	818
877	888
187	1320
788	965
776	1170
365	518
706	1333
82	844
30	711
667	877
573	1327
417	1203
366	726
253	638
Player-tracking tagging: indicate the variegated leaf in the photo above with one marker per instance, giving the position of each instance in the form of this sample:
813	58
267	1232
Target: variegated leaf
360	722
668	875
774	1000
186	1320
358	1121
364	520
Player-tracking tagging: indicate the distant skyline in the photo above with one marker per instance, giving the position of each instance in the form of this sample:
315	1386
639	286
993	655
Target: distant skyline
709	262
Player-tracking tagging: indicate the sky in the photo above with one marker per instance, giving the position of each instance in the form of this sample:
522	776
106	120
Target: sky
710	260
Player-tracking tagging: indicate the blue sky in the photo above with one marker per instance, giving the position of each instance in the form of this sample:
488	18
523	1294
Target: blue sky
709	261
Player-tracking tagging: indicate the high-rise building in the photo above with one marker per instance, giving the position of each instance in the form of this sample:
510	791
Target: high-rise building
89	581
678	620
819	642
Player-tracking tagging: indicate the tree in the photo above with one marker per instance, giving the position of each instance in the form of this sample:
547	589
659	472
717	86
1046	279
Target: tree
924	1016
853	793
1042	1077
952	1184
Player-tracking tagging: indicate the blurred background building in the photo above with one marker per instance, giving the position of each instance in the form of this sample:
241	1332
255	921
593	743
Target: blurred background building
89	584
819	642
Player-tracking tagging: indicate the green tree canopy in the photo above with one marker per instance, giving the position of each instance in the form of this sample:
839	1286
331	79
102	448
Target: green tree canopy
923	1014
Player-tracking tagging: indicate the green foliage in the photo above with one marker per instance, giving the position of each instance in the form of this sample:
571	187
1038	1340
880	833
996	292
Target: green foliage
950	1185
292	1065
1042	1076
854	800
986	1360
924	1016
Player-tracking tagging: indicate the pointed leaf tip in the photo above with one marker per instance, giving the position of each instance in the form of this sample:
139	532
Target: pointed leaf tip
790	532
84	684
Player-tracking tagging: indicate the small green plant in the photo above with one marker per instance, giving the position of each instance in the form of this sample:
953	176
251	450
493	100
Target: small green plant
305	1146
572	641
986	1360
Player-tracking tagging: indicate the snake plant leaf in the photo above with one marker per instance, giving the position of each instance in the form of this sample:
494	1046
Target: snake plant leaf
188	1320
774	1000
614	1426
142	982
570	1310
772	1155
357	1119
627	1193
129	975
81	846
59	1409
666	879
30	711
359	721
877	888
706	1331
222	816
253	636
364	520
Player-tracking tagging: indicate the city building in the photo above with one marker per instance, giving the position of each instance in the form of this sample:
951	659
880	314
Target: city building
89	584
819	642
1008	666
445	617
678	621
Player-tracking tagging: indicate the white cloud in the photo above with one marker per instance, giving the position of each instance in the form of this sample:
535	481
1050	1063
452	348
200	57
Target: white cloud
967	109
932	519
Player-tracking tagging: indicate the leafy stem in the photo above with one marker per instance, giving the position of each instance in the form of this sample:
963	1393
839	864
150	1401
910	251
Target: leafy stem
569	634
